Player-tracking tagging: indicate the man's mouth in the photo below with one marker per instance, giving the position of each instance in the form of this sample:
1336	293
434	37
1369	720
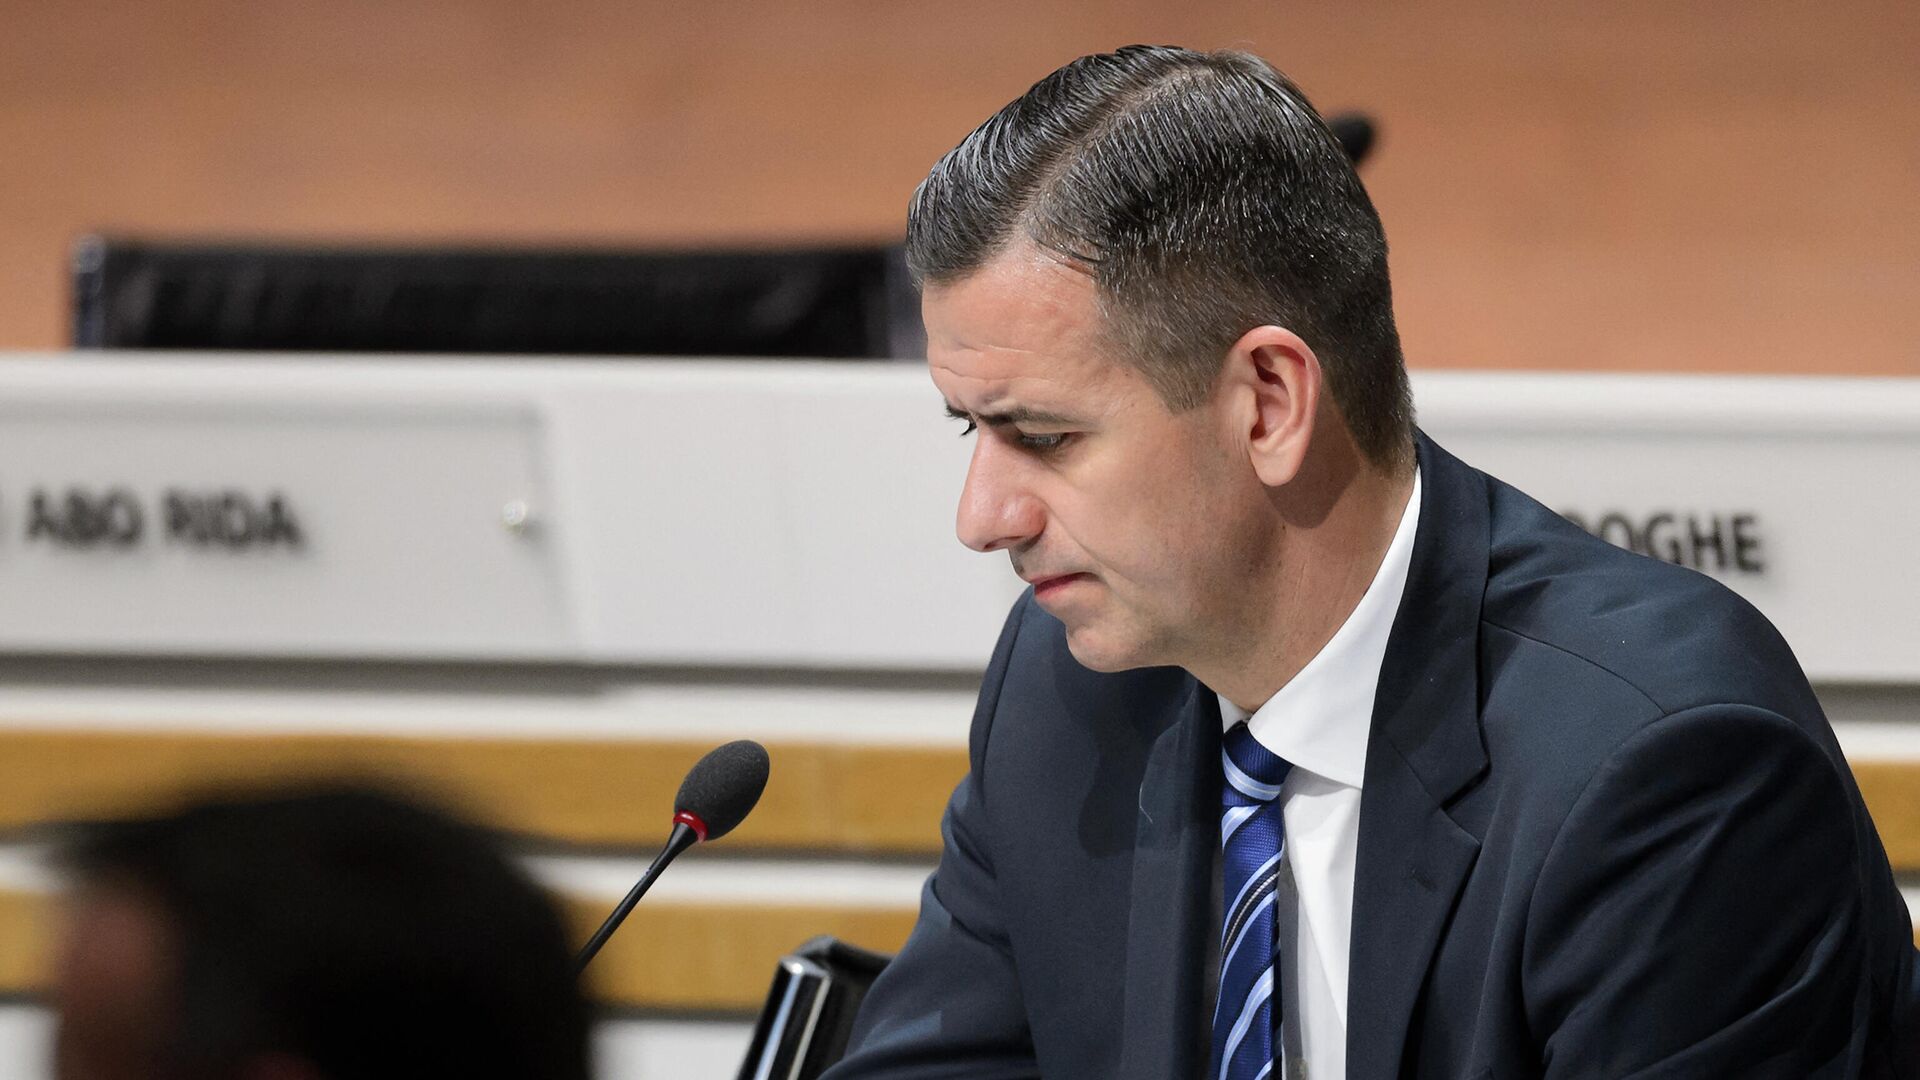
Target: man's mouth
1044	587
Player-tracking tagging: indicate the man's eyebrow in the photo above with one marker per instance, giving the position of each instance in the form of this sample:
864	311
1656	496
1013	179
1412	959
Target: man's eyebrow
1018	414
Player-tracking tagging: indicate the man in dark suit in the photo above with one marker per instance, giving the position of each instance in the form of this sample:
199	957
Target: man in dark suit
1314	752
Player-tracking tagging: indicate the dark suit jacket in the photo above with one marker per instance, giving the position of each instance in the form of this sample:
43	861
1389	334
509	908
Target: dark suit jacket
1605	832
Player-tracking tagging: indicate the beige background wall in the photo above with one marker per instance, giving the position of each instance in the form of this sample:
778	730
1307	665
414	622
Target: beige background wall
1640	184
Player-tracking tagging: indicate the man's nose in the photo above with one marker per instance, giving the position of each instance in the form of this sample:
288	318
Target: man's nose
996	510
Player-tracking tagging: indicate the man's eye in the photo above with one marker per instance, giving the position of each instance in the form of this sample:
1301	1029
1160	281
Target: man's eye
1043	442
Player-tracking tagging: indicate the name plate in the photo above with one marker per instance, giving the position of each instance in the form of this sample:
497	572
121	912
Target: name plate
1799	494
269	527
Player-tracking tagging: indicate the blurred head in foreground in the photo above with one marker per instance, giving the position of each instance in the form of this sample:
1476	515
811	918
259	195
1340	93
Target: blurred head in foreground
324	933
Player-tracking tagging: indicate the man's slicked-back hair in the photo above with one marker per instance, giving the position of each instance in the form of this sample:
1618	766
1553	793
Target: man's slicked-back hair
1206	197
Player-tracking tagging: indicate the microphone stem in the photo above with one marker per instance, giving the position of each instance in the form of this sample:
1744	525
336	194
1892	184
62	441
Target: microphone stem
682	838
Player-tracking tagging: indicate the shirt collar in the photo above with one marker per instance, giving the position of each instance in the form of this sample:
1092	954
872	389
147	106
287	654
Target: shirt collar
1320	719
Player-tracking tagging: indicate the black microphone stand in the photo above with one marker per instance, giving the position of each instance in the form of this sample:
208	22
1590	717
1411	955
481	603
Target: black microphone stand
682	838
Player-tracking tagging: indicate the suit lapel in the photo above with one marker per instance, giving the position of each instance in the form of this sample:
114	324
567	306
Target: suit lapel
1413	860
1170	921
1424	750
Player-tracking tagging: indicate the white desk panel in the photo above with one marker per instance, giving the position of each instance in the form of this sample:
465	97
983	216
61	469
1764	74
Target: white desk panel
739	513
800	514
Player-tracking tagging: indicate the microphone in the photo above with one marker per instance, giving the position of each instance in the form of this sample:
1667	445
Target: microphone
717	795
1355	132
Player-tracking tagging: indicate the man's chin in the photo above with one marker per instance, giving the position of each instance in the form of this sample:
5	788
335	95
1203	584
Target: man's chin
1096	652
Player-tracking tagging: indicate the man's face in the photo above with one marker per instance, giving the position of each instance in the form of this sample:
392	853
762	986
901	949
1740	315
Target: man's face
1136	526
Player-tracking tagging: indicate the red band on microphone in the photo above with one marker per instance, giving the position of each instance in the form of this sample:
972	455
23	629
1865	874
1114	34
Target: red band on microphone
692	821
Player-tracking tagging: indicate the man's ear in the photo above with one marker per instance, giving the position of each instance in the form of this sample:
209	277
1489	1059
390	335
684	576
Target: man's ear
1274	369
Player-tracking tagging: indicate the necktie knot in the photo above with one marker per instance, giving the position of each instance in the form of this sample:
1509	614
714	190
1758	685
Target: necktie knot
1252	770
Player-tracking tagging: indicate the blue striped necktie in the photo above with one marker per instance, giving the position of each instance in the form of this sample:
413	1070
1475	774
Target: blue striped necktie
1246	1021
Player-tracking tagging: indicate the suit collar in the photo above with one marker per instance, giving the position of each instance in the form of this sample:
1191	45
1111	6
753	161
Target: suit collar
1427	704
1425	750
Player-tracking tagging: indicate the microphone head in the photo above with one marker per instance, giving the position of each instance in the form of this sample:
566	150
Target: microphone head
1355	132
722	788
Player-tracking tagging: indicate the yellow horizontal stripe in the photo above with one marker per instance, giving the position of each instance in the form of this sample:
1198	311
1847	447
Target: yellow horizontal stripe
1892	793
592	793
667	957
717	957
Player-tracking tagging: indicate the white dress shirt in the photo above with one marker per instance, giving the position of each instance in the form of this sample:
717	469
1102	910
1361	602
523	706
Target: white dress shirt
1319	722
